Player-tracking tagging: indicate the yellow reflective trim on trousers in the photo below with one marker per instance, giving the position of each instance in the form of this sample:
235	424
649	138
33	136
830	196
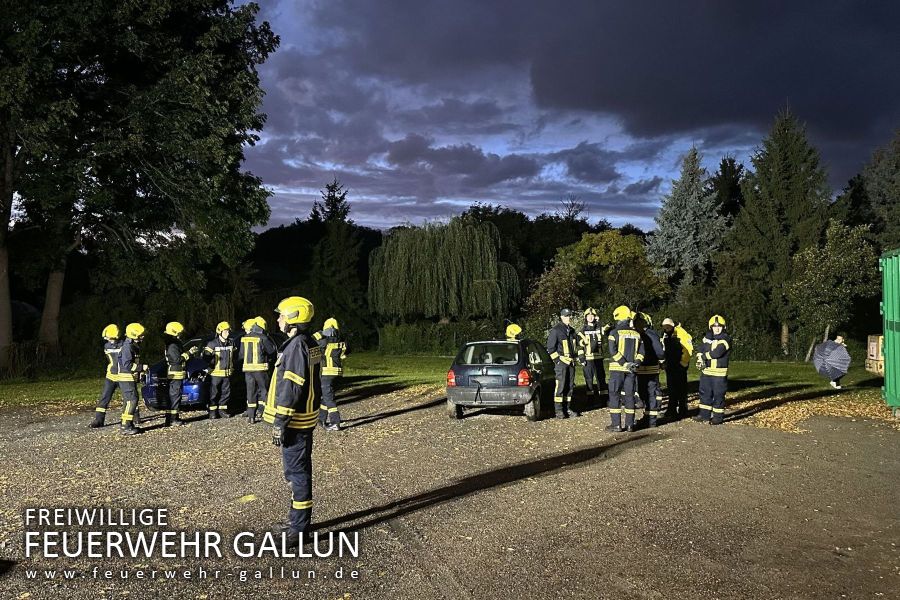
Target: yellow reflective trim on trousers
615	411
222	372
719	410
554	355
557	398
716	371
618	367
100	409
332	370
301	505
251	405
333	409
705	407
291	376
654	413
628	411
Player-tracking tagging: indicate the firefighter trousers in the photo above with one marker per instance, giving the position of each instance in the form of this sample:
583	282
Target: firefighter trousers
296	455
257	390
648	391
676	382
109	388
130	417
594	376
174	408
621	398
219	395
328	411
712	398
565	382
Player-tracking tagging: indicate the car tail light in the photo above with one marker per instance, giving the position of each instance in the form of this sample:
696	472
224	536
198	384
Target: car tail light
524	378
451	378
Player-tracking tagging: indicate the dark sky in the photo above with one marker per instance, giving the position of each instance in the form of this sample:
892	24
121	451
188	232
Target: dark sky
423	107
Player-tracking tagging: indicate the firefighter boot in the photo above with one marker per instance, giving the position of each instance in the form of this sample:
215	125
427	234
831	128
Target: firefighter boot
560	409
99	419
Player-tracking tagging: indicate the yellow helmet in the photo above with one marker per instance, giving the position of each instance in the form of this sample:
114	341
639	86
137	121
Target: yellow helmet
134	331
248	324
222	327
622	312
261	322
717	320
590	311
296	310
110	331
645	318
174	328
331	324
513	331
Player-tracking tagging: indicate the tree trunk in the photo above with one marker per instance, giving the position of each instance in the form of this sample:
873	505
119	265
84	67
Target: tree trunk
48	335
7	159
785	338
5	308
812	346
827	331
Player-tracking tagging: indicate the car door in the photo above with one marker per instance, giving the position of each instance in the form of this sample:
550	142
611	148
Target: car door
542	363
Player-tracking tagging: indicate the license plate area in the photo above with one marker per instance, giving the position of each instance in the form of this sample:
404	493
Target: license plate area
486	380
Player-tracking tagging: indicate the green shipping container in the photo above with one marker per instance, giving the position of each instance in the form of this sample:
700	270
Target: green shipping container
890	310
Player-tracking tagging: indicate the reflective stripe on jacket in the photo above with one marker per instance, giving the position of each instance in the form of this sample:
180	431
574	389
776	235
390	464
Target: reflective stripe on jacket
255	350
716	350
295	392
223	357
561	344
111	350
625	346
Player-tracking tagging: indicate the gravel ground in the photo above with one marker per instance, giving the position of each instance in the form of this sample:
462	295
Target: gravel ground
488	507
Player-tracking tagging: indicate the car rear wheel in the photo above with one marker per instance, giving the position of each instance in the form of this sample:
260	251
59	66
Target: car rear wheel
533	408
454	411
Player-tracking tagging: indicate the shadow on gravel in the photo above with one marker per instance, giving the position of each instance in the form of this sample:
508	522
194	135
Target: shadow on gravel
749	411
367	391
6	566
487	480
350	423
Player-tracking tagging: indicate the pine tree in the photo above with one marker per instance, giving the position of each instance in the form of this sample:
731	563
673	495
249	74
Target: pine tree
882	181
725	184
337	289
689	228
786	202
333	207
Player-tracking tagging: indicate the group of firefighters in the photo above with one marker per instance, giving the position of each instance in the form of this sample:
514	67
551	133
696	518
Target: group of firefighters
253	353
637	355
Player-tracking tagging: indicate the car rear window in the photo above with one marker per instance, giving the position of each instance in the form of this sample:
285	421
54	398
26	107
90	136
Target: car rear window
489	354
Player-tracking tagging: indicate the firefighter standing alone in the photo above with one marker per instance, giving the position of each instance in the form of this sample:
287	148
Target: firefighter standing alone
712	360
334	353
563	350
292	407
111	348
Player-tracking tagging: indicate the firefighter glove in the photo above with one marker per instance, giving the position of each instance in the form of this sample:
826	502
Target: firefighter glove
277	435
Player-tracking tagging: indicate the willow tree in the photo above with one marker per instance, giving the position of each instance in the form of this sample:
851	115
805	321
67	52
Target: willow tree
444	271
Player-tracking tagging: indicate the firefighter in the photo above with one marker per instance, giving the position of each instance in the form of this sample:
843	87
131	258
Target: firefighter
255	350
176	358
590	353
648	371
334	353
292	407
513	333
130	370
563	350
678	348
111	348
222	350
712	360
627	352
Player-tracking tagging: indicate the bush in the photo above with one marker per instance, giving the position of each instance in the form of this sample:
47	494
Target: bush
426	337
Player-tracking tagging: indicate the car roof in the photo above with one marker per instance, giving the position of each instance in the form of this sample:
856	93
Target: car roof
496	342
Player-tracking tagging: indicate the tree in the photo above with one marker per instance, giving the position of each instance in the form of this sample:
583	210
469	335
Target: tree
333	207
786	202
882	182
854	207
166	97
725	184
441	271
557	288
689	228
828	279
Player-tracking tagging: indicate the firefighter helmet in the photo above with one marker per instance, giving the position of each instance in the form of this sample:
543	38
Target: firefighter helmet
590	311
110	331
621	313
174	328
296	310
331	324
248	324
261	322
513	331
717	320
223	326
134	331
645	318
